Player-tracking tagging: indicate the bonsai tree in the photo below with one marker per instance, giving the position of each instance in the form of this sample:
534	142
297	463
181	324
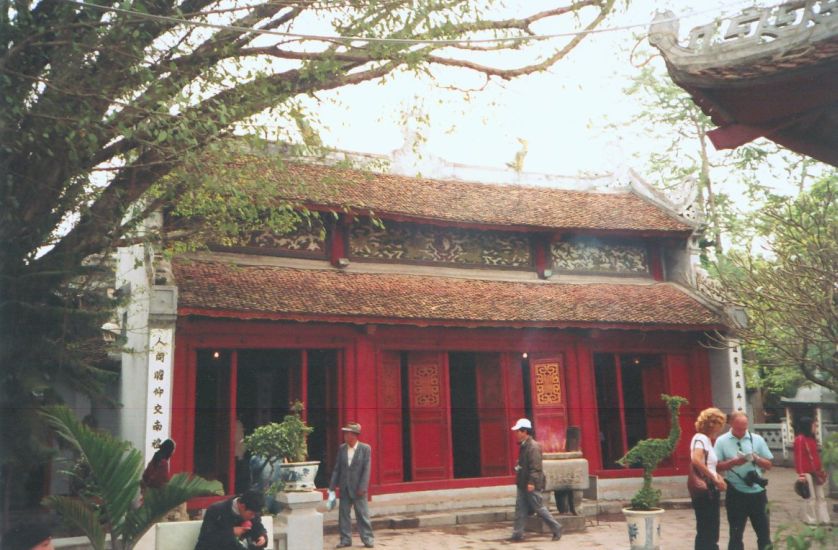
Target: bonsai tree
112	473
648	453
274	443
285	441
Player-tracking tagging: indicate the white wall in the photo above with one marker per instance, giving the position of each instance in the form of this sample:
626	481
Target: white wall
728	378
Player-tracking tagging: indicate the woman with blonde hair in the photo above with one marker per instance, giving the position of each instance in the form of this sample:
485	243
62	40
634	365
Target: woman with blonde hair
708	426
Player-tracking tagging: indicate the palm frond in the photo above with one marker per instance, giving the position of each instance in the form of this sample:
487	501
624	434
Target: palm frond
115	467
82	515
156	502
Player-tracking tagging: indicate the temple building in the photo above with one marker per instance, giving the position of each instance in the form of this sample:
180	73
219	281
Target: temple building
434	313
766	72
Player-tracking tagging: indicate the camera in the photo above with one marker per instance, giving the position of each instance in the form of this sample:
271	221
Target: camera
753	477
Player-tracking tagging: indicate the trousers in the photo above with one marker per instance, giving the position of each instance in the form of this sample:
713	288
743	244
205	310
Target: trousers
362	517
742	507
815	510
707	521
527	502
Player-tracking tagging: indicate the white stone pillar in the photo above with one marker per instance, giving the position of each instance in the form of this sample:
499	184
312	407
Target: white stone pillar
300	520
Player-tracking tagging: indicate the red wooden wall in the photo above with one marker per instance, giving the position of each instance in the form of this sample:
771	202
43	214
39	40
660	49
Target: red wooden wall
370	388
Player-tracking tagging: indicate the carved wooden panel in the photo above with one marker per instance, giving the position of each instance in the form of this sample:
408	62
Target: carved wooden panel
306	240
595	256
548	383
424	379
427	244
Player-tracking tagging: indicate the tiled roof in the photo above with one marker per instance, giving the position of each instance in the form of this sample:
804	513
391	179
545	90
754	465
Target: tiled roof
225	290
464	202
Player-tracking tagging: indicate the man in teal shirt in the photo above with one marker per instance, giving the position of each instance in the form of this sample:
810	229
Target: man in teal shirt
743	457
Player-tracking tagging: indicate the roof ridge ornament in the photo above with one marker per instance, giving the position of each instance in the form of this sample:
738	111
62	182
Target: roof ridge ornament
755	32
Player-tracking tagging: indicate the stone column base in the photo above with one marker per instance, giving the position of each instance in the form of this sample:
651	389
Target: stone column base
299	522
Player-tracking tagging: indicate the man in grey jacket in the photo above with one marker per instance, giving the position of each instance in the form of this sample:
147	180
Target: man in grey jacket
352	475
529	479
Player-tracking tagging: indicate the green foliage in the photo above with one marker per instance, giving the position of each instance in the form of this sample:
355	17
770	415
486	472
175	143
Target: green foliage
285	441
112	483
804	537
648	453
789	293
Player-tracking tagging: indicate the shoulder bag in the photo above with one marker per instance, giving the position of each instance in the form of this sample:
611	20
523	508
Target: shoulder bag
697	485
801	487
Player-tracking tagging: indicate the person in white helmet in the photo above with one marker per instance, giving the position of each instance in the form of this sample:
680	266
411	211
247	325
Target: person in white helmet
529	479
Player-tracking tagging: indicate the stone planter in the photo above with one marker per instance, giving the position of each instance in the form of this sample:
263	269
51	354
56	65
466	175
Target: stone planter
644	528
298	476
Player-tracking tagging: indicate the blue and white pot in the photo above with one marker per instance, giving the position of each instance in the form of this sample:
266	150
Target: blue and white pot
644	528
298	476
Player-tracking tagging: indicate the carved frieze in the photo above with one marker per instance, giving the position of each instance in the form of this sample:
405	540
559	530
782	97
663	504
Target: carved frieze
308	239
758	41
595	256
427	244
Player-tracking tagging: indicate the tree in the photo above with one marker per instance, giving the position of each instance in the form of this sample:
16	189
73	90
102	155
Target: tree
102	104
670	114
733	188
791	292
114	470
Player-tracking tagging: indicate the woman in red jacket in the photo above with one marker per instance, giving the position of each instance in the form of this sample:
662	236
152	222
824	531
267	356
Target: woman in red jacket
807	461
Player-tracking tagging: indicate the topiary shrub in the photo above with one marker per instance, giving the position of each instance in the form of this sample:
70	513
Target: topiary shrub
648	453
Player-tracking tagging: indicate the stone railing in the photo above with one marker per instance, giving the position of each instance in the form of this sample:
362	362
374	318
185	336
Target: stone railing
776	436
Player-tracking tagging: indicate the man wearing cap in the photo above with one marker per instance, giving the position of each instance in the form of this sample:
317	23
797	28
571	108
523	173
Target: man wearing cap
352	475
529	479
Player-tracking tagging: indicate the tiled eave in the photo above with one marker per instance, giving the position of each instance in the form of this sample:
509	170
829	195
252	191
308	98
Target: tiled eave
786	56
448	202
223	290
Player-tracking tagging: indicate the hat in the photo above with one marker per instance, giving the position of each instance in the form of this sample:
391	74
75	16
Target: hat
521	424
353	427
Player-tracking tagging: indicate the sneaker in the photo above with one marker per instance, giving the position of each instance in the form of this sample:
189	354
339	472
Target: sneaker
557	536
516	538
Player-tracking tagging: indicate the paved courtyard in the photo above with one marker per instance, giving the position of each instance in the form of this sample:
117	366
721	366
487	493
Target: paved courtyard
608	531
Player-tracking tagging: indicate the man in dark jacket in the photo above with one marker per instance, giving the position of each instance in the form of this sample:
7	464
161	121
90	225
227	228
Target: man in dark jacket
529	479
352	475
234	524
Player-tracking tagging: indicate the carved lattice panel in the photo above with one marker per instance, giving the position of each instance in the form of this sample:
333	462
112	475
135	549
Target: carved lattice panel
417	243
308	239
548	384
594	256
424	382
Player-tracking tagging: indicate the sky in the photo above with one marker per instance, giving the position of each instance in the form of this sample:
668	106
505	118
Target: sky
563	114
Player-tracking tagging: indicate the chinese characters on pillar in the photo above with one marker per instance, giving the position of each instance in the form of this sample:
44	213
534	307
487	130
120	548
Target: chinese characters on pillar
158	396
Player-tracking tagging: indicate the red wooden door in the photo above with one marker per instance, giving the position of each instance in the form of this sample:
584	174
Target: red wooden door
429	415
390	443
549	402
657	414
491	415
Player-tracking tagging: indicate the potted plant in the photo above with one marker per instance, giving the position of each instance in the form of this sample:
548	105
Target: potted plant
105	512
282	448
643	516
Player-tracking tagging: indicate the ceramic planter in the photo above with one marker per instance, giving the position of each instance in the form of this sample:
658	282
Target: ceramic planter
644	528
298	476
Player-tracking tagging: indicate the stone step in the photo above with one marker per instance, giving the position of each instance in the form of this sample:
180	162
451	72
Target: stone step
588	511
